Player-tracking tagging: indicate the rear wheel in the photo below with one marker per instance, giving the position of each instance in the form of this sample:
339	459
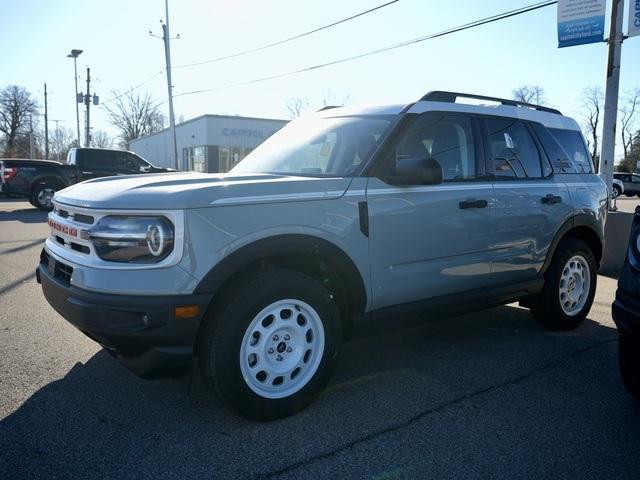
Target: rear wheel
42	195
570	285
629	362
271	344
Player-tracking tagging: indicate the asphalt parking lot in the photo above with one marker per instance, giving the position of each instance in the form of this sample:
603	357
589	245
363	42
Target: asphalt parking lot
486	395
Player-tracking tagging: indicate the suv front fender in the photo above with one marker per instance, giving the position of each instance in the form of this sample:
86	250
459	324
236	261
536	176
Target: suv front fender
288	245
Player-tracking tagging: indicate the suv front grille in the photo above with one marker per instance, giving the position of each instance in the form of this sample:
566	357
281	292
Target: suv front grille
78	217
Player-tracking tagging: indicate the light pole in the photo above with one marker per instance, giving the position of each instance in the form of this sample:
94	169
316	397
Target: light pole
75	53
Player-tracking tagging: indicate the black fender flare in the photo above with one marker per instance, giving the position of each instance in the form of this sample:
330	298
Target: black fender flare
285	244
580	220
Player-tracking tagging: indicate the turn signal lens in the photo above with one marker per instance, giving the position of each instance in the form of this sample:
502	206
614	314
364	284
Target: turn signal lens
189	311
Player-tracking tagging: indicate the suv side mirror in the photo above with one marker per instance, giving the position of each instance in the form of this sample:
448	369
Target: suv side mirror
416	171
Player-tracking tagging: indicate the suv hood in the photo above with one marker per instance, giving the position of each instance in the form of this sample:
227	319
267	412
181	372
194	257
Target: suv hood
179	190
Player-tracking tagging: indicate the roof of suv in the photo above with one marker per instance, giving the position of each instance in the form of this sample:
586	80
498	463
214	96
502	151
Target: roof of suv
446	101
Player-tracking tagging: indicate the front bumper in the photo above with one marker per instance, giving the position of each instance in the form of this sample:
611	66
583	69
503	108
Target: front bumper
142	332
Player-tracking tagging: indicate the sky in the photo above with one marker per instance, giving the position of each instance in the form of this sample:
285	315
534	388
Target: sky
37	35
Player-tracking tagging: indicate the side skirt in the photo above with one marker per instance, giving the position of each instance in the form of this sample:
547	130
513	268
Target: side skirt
430	310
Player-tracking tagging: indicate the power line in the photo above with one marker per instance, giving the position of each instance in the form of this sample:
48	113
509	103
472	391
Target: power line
134	88
280	42
466	26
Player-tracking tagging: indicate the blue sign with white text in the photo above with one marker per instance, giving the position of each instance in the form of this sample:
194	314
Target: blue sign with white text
579	32
580	22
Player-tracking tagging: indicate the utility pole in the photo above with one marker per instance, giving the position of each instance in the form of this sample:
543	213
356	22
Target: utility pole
57	137
87	102
31	146
46	125
607	153
167	52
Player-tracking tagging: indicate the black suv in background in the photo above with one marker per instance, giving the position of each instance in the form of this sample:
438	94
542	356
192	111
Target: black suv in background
631	182
38	180
626	312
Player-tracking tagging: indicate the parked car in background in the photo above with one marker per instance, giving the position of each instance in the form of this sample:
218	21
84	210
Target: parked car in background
344	220
630	182
618	188
38	180
626	312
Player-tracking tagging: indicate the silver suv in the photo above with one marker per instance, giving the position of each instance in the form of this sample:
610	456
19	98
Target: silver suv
343	221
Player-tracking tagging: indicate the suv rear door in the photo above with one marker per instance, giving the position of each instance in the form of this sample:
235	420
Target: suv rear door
531	205
432	240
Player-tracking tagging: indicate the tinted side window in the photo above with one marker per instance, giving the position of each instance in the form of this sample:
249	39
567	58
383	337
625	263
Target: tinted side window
446	138
94	159
123	162
513	152
573	143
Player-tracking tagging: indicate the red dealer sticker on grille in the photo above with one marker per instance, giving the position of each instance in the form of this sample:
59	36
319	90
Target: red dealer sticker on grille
62	228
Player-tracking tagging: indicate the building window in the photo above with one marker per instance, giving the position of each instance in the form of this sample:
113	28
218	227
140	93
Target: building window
229	157
196	160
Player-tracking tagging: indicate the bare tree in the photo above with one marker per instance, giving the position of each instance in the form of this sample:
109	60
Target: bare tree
296	106
134	115
630	106
101	139
61	140
332	98
591	102
534	94
17	107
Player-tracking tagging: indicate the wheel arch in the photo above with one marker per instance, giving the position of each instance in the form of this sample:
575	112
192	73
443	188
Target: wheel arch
44	180
319	258
583	227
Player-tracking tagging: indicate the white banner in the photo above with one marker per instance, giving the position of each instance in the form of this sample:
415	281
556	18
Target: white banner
634	18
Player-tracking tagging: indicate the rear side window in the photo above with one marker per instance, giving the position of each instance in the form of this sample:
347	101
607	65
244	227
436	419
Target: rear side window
573	143
512	149
557	156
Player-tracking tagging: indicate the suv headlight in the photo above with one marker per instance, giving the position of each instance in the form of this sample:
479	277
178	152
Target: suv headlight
133	239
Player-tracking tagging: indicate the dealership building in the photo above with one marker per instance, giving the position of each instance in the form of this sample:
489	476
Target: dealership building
209	143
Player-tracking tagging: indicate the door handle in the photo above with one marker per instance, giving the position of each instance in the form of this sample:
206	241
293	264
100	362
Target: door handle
87	173
551	199
473	204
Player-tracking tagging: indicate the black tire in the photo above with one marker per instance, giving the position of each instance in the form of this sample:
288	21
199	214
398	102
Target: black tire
225	330
547	308
629	362
616	191
41	196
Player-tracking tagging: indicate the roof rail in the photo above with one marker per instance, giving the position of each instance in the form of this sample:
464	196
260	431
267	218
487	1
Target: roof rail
450	97
328	107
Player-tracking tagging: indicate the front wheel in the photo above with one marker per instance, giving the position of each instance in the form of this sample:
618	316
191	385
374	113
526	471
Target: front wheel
271	344
616	192
629	362
569	288
42	195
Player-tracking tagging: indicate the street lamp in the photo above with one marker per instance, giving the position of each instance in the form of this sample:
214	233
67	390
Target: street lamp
75	53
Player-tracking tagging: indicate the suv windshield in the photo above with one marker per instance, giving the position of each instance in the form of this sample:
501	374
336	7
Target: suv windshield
318	146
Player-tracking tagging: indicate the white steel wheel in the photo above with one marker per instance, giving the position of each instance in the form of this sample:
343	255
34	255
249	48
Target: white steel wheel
574	286
282	348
